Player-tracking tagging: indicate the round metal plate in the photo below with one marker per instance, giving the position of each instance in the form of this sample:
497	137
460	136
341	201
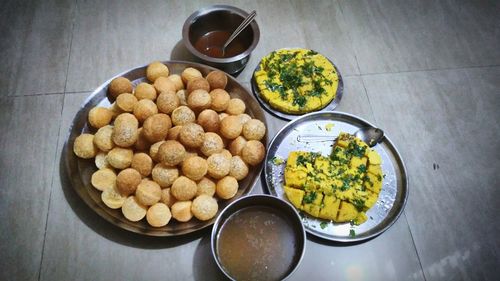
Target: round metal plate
287	116
79	171
392	197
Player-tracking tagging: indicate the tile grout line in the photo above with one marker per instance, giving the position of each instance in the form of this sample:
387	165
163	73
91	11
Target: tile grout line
426	70
415	246
47	94
57	145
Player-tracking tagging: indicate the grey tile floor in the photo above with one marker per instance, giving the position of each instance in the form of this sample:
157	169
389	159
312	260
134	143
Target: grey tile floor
428	72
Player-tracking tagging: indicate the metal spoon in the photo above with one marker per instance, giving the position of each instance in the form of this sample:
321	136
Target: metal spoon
369	135
238	30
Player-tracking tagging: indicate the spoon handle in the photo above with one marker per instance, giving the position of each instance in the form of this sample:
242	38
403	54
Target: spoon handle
315	138
240	28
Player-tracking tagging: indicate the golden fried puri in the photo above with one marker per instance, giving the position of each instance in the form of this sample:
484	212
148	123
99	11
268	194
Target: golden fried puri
144	109
126	102
158	215
198	83
254	129
167	198
102	179
163	84
199	100
227	187
204	207
171	153
218	165
120	158
220	99
145	91
244	118
167	101
100	117
112	198
143	163
217	79
253	152
84	146
173	133
182	95
156	69
153	150
236	106
190	73
183	188
191	135
125	131
181	211
230	127
100	160
237	145
156	127
239	169
205	186
119	86
182	115
133	210
177	81
148	192
212	143
209	120
103	138
127	181
165	175
194	168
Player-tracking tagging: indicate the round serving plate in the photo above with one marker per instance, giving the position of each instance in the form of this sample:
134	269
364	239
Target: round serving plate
288	116
392	197
79	170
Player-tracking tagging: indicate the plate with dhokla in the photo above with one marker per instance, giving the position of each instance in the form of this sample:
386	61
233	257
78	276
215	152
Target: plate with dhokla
344	190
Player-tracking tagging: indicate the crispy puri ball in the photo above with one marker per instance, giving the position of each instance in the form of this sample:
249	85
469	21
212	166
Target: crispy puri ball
167	198
181	211
223	115
218	165
244	118
167	101
173	133
144	109
84	146
142	143
230	127
183	115
100	160
204	207
103	138
191	135
217	79
127	181
254	129
171	153
182	95
189	154
120	158
209	120
239	169
102	179
227	187
236	107
226	154
162	84
156	69
115	110
205	186
148	192
165	175
120	85
237	145
126	102
220	99
133	210
183	188
212	143
100	117
153	150
142	163
194	168
190	73
158	215
112	198
198	83
177	81
253	152
156	127
145	91
199	100
125	131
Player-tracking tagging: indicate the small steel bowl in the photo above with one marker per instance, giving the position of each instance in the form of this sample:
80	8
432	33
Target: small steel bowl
226	18
277	205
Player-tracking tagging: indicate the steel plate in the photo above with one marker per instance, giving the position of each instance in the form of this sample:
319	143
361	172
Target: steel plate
79	171
392	197
287	116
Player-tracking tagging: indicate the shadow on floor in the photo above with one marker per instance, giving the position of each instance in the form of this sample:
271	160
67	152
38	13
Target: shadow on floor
204	266
112	232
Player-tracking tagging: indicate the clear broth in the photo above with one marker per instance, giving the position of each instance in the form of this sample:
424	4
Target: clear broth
257	243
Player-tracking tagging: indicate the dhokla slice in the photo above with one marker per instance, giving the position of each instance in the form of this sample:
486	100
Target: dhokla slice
295	196
347	212
330	208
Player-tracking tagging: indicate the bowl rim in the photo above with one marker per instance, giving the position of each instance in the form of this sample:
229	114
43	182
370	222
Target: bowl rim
206	10
294	214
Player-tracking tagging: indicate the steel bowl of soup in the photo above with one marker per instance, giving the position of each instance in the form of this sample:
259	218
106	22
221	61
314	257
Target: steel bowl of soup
206	30
258	237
